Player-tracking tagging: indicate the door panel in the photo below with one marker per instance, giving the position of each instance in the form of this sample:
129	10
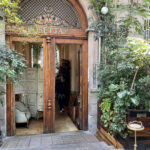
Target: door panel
10	96
85	84
80	88
49	85
83	80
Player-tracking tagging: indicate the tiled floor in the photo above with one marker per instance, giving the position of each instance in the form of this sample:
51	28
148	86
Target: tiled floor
63	123
35	127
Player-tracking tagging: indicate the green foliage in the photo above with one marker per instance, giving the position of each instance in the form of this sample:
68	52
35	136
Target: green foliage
130	14
124	71
12	65
9	13
117	79
10	9
135	10
107	112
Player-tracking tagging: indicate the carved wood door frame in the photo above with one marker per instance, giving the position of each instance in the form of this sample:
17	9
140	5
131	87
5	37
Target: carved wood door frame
49	83
83	78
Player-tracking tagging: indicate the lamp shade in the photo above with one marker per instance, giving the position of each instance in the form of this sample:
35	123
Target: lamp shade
104	10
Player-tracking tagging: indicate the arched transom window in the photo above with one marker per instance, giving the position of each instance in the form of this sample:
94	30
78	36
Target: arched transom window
49	12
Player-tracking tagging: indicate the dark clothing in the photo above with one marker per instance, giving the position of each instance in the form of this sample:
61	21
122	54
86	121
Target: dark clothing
61	101
60	92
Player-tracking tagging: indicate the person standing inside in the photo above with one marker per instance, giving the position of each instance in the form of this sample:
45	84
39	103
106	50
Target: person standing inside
60	89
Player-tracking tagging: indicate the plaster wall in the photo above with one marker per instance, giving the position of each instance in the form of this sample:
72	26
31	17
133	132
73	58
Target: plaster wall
31	89
92	91
91	15
2	107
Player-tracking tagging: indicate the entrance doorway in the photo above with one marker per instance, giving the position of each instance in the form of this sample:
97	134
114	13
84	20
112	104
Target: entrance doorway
53	29
67	87
71	51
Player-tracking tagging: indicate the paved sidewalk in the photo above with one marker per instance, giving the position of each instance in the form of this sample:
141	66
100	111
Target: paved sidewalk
58	141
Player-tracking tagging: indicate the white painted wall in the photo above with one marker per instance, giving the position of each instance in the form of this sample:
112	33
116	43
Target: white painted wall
31	89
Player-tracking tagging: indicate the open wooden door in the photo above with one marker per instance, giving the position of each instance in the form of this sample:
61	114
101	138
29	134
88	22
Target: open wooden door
85	84
80	97
83	88
49	85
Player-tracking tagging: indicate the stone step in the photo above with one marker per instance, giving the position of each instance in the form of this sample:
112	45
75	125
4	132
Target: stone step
82	140
81	146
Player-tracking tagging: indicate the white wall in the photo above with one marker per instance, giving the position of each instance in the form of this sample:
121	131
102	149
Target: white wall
31	89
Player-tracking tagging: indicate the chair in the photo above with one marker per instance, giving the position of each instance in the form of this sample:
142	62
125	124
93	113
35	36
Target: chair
23	114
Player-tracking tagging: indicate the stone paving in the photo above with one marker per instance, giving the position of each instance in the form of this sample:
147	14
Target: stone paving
59	141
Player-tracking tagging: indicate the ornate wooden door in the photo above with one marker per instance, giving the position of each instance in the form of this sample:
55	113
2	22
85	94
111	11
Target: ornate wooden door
49	85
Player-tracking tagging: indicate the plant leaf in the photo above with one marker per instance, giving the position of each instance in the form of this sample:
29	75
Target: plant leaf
135	100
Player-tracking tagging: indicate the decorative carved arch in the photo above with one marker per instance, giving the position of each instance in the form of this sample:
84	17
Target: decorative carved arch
81	13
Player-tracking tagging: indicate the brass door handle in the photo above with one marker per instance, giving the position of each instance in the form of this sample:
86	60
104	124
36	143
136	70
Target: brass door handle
49	105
